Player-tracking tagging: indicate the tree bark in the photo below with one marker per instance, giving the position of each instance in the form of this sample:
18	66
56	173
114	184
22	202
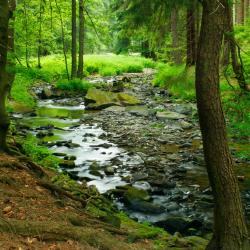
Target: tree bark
175	36
11	43
74	44
63	39
230	232
81	39
191	36
229	36
4	119
26	34
39	51
240	12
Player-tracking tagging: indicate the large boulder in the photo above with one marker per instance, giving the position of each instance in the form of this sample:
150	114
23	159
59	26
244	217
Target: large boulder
98	99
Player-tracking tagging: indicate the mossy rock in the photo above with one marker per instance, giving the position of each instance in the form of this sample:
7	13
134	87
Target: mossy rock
133	193
98	99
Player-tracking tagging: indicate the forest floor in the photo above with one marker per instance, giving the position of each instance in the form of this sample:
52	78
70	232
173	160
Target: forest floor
34	217
39	210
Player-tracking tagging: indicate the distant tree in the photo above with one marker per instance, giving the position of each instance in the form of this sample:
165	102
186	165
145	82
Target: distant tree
81	39
230	231
74	41
4	85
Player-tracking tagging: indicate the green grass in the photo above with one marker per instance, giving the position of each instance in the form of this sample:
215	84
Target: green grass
53	71
39	154
73	85
177	79
180	82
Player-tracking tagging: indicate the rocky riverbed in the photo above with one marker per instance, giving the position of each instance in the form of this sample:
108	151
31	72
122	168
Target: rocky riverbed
147	156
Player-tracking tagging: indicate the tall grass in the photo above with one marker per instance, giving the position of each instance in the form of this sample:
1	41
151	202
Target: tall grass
177	79
53	71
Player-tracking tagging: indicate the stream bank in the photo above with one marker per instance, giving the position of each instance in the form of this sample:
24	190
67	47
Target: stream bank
148	158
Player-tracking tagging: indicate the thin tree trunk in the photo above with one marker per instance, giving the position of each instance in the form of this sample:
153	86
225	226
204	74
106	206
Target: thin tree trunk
4	119
81	39
229	35
246	9
63	39
226	53
26	34
191	36
230	232
39	51
51	15
240	12
11	43
74	45
175	36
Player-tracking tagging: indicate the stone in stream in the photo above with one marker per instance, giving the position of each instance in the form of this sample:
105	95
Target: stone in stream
59	154
98	99
109	170
67	164
168	115
179	224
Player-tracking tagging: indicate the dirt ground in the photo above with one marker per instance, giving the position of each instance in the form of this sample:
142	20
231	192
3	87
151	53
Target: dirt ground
33	217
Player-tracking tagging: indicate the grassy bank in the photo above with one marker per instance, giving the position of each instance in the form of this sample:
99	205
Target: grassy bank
53	71
181	84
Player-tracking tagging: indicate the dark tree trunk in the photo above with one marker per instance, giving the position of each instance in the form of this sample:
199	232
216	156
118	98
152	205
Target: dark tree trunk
175	36
11	43
81	39
240	16
63	39
4	119
51	15
74	45
191	36
39	51
230	232
235	53
225	60
26	34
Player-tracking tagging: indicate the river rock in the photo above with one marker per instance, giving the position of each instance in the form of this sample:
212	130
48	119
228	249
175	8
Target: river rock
98	99
67	164
179	224
109	170
168	115
133	194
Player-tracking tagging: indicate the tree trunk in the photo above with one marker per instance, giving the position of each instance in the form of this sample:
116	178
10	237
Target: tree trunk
74	45
11	43
63	39
230	232
81	39
39	51
240	12
226	53
229	35
246	7
26	34
191	36
4	119
175	37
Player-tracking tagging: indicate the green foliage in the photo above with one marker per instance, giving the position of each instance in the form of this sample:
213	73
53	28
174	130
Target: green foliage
237	109
73	85
177	79
39	154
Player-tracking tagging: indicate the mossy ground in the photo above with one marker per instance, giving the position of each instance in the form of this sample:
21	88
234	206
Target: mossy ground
33	217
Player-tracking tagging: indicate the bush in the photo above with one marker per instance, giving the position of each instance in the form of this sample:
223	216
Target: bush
177	79
39	154
73	85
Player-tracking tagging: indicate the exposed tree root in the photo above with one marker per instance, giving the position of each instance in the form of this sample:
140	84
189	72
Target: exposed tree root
60	191
55	231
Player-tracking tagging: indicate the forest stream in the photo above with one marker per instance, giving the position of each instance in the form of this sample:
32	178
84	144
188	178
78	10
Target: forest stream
148	158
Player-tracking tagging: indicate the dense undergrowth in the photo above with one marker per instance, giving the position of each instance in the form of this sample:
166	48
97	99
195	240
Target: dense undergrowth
180	82
53	71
